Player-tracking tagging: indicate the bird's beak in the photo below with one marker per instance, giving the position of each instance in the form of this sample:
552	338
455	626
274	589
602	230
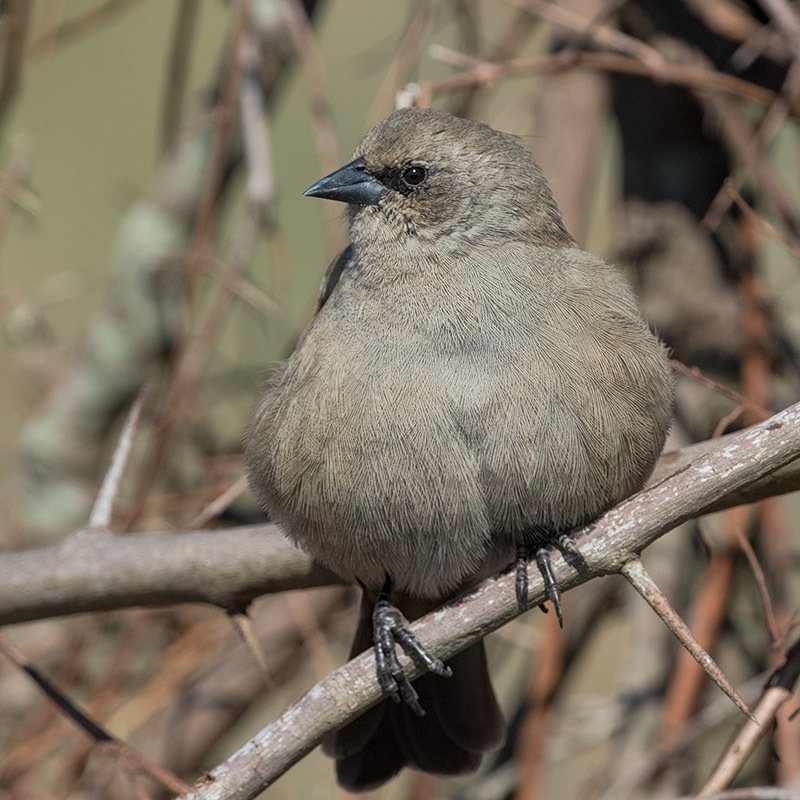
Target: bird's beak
350	184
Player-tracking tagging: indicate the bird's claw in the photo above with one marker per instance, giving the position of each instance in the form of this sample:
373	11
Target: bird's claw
566	544
521	577
551	585
390	628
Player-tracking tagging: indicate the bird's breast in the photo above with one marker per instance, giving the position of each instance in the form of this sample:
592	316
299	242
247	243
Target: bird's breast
408	431
362	459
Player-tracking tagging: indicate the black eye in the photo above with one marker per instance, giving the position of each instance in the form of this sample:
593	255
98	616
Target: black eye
414	176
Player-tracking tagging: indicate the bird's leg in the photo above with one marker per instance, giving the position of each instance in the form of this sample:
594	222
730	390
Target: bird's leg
521	576
390	628
523	557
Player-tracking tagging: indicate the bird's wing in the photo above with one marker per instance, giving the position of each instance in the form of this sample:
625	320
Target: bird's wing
332	275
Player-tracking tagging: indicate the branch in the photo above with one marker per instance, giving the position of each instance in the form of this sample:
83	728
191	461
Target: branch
779	690
483	73
94	730
230	567
606	546
94	571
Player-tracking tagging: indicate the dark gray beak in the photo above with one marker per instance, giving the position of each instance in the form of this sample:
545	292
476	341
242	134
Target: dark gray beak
350	184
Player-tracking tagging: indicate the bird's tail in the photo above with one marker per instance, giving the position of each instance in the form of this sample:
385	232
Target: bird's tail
462	722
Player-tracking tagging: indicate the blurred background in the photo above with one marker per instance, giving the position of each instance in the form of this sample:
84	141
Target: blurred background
153	231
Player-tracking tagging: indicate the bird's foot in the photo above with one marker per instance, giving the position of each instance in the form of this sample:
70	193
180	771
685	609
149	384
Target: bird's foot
566	544
551	585
390	628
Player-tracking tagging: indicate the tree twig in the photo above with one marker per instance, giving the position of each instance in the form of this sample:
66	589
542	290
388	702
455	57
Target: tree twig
16	16
76	27
305	45
135	760
780	688
691	76
637	576
715	386
100	518
180	52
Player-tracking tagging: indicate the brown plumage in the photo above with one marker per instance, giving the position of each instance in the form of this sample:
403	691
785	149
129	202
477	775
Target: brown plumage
472	381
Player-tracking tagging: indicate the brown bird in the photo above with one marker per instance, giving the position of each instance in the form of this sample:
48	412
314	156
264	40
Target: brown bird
472	387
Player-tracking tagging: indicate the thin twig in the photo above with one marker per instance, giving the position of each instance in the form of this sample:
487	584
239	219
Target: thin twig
225	118
775	634
637	778
737	134
238	284
593	31
767	130
780	688
546	675
752	793
720	388
766	226
319	103
180	53
686	681
508	44
244	627
13	192
191	353
255	130
787	21
406	55
220	503
15	16
77	27
89	726
100	518
691	76
637	576
727	420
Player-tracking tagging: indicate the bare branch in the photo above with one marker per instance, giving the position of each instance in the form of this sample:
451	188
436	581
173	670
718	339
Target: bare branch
715	386
689	75
220	503
305	45
780	688
230	567
186	18
16	18
598	34
97	572
74	28
753	793
135	759
606	546
787	20
637	576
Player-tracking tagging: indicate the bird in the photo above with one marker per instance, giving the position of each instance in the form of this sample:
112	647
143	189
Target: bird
472	388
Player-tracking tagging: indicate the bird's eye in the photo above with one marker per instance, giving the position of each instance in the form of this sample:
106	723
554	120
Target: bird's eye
414	176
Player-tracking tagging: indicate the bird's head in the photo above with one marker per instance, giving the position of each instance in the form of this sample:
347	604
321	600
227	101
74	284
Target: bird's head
426	180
